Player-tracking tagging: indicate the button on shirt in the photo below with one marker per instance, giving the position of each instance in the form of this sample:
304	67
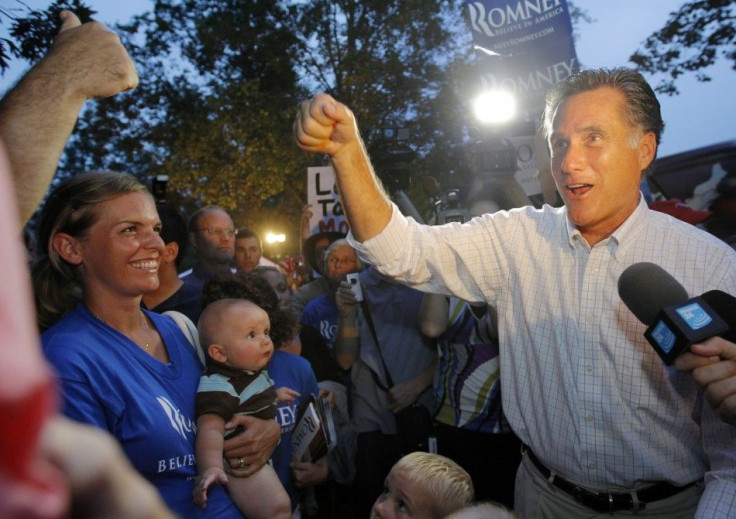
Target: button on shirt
582	386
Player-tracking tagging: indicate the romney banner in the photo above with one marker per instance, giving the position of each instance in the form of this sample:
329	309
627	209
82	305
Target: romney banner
527	46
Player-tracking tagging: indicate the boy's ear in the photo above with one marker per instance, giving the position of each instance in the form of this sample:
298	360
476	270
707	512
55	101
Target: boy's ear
217	353
67	247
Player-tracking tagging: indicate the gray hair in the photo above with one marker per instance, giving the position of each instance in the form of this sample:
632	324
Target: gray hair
336	245
642	109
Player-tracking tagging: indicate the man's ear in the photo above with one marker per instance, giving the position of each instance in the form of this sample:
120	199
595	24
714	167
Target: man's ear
647	150
67	247
217	353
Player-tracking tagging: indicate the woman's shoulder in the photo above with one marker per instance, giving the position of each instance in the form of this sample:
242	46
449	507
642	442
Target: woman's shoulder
174	336
72	330
75	346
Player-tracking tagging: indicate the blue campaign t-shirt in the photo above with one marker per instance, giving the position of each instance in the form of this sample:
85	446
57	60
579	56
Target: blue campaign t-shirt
321	314
292	371
110	382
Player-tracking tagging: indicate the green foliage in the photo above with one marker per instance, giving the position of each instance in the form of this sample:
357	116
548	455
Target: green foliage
690	41
221	80
383	58
213	110
388	60
33	33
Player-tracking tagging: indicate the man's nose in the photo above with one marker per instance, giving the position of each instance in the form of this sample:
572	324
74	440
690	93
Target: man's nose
574	158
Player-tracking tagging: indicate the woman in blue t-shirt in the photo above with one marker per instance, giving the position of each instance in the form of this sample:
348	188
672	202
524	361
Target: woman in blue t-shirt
124	369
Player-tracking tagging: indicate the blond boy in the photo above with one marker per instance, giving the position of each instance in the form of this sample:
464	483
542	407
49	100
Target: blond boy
423	485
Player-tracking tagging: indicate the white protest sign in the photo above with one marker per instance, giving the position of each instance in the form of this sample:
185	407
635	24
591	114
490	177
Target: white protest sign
327	213
526	174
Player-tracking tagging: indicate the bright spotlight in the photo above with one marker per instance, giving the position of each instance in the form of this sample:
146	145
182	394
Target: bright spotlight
275	238
495	107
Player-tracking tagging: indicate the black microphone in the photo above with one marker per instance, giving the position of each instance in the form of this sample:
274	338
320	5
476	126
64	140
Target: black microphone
675	321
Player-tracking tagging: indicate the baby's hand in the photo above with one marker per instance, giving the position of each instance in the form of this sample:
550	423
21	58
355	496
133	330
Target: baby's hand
203	482
286	394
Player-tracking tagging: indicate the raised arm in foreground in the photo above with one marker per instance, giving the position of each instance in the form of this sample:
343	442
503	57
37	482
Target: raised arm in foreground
323	125
38	114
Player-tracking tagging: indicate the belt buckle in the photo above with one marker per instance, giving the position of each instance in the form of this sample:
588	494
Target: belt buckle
601	502
586	498
624	502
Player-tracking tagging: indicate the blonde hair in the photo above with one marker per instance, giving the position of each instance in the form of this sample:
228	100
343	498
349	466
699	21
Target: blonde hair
445	480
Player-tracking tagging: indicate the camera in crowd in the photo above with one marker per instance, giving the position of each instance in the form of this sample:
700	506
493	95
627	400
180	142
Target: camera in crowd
491	157
392	157
486	164
445	204
159	184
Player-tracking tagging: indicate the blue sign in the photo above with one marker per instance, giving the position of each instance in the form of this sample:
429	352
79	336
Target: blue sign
527	46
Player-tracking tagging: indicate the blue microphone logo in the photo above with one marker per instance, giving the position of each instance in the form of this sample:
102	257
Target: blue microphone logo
694	315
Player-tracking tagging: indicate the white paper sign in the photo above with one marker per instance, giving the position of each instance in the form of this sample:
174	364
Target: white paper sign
327	213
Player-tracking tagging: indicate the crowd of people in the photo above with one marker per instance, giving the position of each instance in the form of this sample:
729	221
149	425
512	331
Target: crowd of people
186	385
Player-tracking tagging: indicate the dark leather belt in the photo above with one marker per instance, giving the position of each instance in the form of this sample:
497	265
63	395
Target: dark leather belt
607	502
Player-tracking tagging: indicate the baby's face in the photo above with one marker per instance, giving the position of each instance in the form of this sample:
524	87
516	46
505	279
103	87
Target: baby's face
246	338
403	496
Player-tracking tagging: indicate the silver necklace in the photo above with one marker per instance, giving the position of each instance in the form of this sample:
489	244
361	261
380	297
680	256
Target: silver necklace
145	346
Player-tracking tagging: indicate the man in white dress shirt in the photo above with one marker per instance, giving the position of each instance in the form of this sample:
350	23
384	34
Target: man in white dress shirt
609	428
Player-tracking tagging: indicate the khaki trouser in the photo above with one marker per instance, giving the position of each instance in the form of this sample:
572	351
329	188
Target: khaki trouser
536	498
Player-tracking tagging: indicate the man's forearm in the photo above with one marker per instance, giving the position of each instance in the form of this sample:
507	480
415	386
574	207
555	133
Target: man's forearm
426	377
39	113
432	318
363	198
326	126
36	120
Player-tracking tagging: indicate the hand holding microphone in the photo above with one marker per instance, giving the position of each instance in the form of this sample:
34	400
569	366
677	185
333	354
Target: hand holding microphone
713	365
678	324
675	322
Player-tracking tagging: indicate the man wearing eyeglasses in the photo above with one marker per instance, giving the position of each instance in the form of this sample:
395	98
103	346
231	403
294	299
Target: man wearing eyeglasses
321	313
212	237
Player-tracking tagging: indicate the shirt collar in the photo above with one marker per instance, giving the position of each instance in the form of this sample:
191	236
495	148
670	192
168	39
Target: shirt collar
624	234
230	371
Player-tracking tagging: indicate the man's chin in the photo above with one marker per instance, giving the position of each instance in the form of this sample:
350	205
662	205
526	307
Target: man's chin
223	257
